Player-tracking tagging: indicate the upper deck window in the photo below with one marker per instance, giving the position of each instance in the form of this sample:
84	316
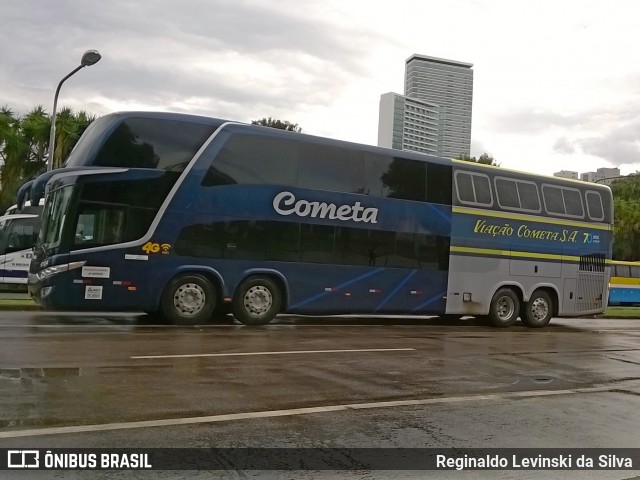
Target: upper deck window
331	168
247	158
153	143
473	189
252	159
594	205
563	201
517	195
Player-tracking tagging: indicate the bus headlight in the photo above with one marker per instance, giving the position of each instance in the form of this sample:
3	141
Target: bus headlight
56	269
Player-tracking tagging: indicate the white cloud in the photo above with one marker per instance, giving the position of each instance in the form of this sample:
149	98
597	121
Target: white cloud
555	85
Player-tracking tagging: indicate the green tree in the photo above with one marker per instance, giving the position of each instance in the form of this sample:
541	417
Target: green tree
35	128
24	145
626	223
13	152
69	127
484	159
280	124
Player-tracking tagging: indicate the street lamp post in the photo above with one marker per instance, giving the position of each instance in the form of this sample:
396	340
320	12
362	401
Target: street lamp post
88	58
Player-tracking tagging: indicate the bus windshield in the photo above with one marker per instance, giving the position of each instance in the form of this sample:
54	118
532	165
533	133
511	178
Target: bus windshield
96	212
53	218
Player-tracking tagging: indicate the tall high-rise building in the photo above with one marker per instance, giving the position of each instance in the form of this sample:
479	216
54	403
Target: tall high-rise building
408	124
434	114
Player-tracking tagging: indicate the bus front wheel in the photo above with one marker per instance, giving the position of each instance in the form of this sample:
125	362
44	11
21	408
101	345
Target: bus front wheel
504	309
538	310
189	299
257	301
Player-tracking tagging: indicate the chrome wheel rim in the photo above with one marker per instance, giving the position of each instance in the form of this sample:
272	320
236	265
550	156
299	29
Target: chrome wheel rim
258	300
505	307
539	309
189	299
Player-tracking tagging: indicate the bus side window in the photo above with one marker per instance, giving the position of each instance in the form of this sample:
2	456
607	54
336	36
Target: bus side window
328	168
473	188
594	206
622	271
562	201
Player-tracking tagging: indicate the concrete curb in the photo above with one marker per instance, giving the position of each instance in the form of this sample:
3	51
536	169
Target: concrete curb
20	308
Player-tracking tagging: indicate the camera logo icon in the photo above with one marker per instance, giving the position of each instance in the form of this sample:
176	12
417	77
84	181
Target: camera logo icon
23	459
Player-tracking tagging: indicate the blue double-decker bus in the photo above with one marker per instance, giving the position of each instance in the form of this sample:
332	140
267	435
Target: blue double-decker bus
188	216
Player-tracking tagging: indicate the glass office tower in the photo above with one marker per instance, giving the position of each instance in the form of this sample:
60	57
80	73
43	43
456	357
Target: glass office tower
434	114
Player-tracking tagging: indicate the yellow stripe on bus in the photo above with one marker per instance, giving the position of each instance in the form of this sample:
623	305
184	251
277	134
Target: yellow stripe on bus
625	281
622	262
529	218
510	253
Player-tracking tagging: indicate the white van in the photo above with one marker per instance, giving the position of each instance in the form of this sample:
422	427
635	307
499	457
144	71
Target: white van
18	232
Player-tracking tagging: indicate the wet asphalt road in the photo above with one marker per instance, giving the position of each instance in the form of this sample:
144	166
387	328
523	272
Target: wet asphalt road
92	380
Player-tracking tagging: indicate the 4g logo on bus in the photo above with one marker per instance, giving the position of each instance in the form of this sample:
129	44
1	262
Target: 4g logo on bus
152	247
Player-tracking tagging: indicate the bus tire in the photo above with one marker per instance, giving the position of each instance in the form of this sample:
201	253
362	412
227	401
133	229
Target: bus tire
188	299
257	301
504	308
538	310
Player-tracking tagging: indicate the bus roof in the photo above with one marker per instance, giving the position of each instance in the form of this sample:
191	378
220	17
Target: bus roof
470	164
98	131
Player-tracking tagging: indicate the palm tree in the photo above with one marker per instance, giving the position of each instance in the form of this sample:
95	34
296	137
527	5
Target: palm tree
24	144
69	127
35	128
13	149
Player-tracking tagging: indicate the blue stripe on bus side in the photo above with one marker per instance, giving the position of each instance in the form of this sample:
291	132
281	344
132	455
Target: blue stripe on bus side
437	297
395	290
438	211
339	287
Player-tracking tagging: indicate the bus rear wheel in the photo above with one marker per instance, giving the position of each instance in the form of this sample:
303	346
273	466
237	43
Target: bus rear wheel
504	308
188	299
256	301
538	310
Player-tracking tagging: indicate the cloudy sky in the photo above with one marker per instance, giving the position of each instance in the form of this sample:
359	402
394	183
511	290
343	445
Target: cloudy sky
556	82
